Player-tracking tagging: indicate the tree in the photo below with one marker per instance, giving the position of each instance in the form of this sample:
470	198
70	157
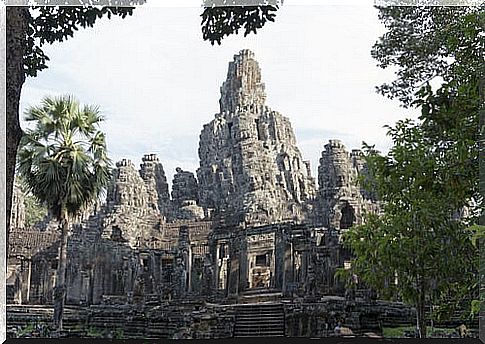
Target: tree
429	43
64	165
432	172
218	22
419	241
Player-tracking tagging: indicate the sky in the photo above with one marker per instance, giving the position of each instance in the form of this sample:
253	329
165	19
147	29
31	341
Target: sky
157	82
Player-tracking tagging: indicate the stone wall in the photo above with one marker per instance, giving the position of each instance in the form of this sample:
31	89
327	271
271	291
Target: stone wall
320	317
197	320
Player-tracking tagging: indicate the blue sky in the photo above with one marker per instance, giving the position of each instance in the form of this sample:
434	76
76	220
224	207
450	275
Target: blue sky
157	82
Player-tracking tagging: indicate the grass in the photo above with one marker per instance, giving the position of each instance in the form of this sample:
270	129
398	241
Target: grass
398	332
26	330
119	334
93	332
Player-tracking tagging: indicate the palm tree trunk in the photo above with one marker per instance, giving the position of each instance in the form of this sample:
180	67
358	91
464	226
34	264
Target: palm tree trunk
60	287
16	33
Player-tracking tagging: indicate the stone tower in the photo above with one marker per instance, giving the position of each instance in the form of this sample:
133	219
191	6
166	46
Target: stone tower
151	171
250	167
129	212
185	196
184	187
341	200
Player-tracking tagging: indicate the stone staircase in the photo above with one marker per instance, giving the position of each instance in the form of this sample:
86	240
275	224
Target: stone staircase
260	320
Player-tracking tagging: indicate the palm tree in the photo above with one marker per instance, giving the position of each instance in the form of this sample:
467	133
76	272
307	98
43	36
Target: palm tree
64	164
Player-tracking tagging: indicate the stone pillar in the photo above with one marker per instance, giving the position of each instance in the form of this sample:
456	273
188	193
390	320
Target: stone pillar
233	274
243	264
29	278
189	269
288	275
184	248
282	263
216	264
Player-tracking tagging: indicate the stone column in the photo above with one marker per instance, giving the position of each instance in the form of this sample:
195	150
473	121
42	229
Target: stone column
243	265
233	273
29	277
189	269
217	269
184	248
285	248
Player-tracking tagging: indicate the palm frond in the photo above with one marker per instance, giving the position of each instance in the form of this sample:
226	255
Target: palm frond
63	160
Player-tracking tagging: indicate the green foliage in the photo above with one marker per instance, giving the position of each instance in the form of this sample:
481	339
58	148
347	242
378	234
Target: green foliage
419	239
34	212
49	24
218	22
399	332
29	328
343	275
94	332
431	174
119	334
63	160
427	43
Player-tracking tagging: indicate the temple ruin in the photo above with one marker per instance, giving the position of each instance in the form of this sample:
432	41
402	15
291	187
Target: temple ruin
250	226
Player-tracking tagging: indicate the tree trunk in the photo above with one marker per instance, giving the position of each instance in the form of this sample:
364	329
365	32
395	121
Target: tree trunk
16	27
60	287
421	309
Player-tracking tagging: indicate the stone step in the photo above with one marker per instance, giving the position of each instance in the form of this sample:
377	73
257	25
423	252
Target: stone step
259	328
260	312
265	313
259	306
259	334
260	317
259	320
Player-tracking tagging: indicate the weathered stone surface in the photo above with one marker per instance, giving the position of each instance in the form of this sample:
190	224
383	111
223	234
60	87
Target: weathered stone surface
250	167
184	187
341	201
156	184
130	207
185	196
199	320
189	210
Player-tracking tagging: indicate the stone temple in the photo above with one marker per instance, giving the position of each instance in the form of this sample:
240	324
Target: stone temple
247	236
